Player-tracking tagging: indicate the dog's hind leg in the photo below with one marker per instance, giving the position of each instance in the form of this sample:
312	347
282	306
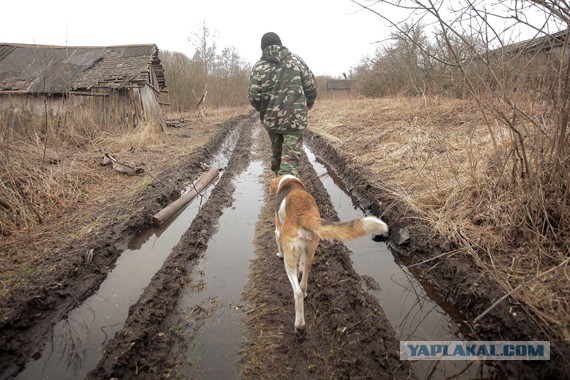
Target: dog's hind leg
278	240
298	294
306	263
301	266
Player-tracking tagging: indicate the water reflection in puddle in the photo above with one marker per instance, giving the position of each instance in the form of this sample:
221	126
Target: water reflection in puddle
412	312
218	280
76	342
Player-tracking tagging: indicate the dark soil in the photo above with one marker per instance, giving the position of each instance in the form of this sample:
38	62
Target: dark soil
145	347
61	283
348	335
350	338
454	278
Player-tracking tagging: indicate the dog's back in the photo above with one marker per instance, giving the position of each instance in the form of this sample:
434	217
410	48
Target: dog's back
302	211
299	197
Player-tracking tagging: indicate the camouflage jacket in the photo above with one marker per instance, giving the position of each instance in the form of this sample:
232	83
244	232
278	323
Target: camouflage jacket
281	86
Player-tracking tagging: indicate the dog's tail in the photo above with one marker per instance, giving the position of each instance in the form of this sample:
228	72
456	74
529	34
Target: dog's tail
343	231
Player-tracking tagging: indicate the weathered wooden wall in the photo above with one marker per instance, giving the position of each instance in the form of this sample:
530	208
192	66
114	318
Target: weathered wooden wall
111	107
339	85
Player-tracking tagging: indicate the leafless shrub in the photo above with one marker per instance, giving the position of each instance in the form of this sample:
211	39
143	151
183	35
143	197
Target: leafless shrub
512	211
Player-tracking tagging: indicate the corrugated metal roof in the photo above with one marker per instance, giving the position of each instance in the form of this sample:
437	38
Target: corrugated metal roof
57	69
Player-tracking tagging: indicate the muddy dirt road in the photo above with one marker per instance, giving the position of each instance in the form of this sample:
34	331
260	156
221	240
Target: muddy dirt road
200	305
267	312
156	337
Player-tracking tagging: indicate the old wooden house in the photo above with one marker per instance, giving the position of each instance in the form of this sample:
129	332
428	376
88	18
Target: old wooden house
534	63
117	85
555	44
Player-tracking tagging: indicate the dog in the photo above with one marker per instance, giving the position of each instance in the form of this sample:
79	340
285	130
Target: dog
298	228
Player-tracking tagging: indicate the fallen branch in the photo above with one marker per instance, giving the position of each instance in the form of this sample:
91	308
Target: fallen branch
202	100
517	288
172	209
121	168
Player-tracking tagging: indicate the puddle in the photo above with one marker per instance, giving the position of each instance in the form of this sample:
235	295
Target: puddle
410	308
222	157
218	280
76	342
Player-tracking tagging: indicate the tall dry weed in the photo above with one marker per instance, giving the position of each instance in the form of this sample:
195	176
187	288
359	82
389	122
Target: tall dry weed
511	212
49	169
459	169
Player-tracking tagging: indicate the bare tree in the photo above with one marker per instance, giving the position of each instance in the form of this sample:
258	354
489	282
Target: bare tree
222	75
185	79
205	44
472	44
512	59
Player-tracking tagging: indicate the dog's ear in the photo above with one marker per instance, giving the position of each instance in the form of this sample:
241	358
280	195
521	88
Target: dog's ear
273	185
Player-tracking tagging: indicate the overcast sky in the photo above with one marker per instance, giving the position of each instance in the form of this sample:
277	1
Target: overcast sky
330	35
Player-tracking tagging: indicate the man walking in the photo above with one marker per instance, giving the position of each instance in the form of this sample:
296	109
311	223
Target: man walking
282	88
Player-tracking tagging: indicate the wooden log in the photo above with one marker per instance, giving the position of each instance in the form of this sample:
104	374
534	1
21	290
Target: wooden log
172	209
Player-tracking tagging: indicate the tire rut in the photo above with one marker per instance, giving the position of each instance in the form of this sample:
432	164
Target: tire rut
455	279
67	279
348	332
143	348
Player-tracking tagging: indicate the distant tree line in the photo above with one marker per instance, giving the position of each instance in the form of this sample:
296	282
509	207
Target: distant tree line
413	65
219	75
216	77
456	49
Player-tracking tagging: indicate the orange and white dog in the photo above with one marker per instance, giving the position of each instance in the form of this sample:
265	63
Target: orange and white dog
298	228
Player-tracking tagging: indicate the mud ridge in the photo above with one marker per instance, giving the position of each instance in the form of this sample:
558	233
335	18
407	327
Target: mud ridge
143	349
348	334
29	313
455	279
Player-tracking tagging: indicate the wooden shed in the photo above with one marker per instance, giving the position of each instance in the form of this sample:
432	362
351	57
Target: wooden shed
539	61
339	84
551	43
121	85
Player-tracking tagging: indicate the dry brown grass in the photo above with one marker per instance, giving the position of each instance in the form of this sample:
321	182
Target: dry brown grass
454	168
439	156
48	186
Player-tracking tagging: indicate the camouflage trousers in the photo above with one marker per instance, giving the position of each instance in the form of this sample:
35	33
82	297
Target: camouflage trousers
286	150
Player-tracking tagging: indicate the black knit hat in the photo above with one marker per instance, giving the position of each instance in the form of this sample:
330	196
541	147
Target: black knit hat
269	39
